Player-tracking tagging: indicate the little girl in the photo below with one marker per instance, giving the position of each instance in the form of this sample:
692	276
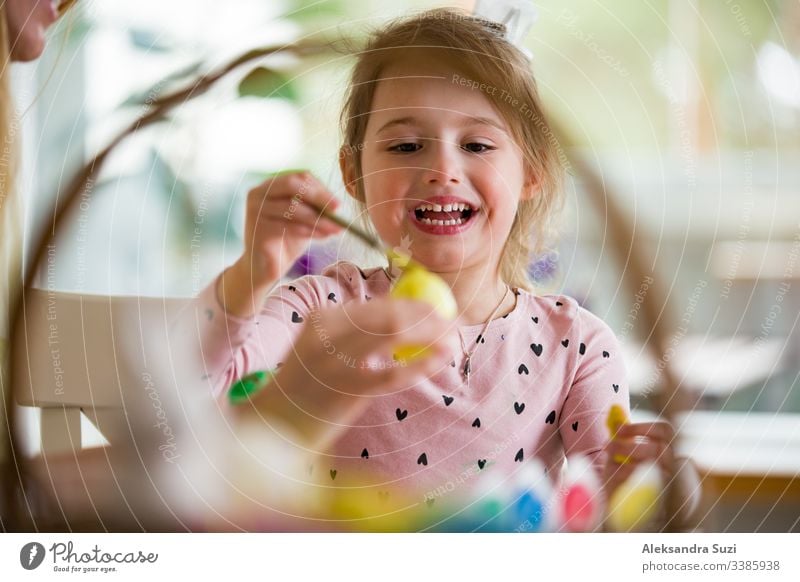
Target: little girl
448	153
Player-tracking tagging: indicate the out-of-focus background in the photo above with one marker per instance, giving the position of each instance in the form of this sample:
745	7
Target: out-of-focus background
689	108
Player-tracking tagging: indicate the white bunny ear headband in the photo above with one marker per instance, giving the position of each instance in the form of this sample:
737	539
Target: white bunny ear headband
516	16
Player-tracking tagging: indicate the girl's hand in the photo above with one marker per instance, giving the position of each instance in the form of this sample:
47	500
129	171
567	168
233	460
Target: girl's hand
342	359
635	443
279	224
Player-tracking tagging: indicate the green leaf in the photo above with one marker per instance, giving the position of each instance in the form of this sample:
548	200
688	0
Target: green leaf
263	82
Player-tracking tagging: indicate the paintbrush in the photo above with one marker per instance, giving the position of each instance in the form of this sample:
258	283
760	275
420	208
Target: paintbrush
401	260
370	240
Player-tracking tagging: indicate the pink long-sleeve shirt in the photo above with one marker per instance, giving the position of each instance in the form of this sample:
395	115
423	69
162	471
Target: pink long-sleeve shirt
542	380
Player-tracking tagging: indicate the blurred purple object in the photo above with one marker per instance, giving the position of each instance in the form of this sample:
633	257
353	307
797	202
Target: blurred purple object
544	268
312	262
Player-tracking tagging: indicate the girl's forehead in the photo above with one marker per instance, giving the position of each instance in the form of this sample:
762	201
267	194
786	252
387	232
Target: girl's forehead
435	90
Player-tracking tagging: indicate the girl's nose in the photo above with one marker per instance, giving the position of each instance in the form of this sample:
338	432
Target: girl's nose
441	165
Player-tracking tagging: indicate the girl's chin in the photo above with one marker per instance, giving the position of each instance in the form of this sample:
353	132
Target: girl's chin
29	47
442	259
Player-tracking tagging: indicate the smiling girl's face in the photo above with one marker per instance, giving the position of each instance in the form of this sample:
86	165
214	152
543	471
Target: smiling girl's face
440	166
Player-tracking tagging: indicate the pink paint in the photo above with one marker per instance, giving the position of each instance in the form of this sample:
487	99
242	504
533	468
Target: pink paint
579	509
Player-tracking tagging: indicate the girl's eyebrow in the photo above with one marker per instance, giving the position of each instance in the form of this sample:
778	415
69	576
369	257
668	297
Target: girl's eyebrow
398	121
468	120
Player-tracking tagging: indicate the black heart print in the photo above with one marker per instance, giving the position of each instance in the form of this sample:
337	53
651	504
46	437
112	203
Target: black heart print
606	354
575	426
535	319
480	340
565	342
523	369
481	463
582	348
518	408
615	387
365	454
559	304
448	400
537	349
401	414
476	423
367	297
518	457
292	288
296	318
332	297
333	474
551	418
422	459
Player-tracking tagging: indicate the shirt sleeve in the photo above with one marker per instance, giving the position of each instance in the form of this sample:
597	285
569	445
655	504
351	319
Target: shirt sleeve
231	347
600	380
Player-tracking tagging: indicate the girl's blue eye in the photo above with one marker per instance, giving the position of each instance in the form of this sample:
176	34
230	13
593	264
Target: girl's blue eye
477	148
405	148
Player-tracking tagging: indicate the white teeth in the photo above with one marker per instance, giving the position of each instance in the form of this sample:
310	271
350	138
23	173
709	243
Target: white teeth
459	207
451	222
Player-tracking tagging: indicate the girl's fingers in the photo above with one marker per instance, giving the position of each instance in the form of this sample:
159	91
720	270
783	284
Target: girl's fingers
636	450
302	230
300	214
390	375
290	197
385	323
289	208
658	430
273	226
617	474
299	186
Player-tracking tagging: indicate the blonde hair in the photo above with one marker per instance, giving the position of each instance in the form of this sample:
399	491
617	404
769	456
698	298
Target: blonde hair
477	50
9	223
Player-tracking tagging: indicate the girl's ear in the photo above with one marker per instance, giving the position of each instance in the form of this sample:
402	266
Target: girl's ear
531	186
347	166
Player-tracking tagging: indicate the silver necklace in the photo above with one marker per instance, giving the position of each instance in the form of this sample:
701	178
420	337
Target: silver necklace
468	354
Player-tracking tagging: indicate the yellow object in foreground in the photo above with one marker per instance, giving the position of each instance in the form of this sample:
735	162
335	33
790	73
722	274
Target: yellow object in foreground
614	421
419	284
634	504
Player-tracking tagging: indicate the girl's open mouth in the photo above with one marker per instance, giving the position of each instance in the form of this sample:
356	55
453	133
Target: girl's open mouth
443	219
